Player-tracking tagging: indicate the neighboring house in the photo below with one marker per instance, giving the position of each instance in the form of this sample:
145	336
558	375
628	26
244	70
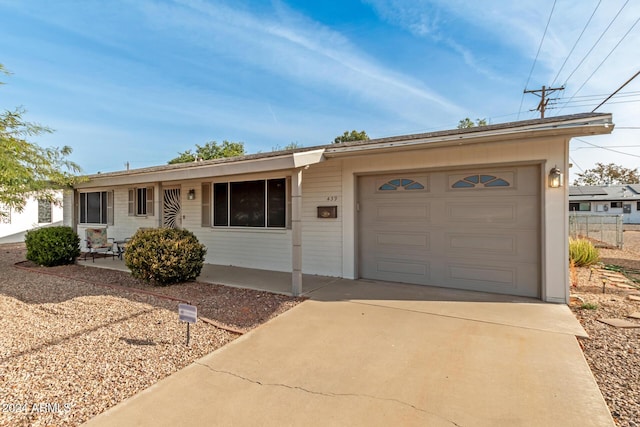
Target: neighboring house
607	200
36	213
465	208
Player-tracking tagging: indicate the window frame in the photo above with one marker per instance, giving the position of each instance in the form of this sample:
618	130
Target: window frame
616	205
141	208
105	215
580	206
141	201
274	204
45	212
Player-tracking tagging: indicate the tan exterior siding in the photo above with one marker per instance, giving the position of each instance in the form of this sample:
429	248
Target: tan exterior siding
329	176
267	250
67	208
547	152
253	248
322	238
123	225
329	245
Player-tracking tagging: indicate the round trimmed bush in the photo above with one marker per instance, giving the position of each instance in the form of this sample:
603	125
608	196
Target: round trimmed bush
51	246
164	256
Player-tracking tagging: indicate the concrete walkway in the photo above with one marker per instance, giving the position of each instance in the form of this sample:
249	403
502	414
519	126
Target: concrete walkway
373	353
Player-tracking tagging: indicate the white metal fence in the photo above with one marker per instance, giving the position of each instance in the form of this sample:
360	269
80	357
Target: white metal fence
604	229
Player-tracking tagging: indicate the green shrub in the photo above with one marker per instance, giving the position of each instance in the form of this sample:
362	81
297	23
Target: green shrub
589	306
51	246
582	252
164	255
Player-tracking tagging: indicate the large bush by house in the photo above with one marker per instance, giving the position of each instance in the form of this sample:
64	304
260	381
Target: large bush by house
164	255
582	252
51	246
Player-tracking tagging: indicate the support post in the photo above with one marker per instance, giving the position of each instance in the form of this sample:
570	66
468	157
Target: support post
296	232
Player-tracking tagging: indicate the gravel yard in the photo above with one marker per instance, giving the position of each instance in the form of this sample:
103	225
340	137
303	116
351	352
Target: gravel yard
75	341
70	349
613	353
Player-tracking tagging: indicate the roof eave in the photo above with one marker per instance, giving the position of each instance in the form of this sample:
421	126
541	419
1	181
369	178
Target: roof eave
286	161
569	128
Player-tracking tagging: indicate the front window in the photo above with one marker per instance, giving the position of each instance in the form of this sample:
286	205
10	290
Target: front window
259	203
44	211
579	206
616	204
141	201
93	207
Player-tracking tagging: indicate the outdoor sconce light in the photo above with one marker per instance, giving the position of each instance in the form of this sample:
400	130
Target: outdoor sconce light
555	177
191	195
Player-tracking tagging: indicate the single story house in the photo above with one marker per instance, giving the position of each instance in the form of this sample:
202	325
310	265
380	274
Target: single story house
35	214
480	209
607	200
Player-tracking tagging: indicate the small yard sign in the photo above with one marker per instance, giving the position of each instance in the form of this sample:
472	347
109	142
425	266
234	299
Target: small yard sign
187	313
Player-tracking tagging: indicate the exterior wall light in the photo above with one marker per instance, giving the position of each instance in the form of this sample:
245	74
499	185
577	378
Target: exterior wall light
555	177
191	195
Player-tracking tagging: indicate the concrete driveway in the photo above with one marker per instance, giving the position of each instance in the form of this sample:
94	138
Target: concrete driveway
379	354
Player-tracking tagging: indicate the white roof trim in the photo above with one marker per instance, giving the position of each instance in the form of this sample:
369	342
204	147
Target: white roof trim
207	170
306	158
571	128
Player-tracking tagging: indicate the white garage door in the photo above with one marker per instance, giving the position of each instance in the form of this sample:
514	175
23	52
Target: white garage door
475	229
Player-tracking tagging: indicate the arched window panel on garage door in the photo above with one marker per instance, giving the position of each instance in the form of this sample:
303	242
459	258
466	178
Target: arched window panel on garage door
481	180
402	183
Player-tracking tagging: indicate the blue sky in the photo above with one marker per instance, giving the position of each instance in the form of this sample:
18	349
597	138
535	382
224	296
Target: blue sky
139	81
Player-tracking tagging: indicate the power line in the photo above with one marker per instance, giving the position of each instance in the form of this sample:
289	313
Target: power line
596	43
611	146
598	96
606	148
591	100
576	43
573	162
536	58
575	104
606	57
617	90
590	103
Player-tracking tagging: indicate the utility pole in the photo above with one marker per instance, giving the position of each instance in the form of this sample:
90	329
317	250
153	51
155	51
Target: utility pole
544	97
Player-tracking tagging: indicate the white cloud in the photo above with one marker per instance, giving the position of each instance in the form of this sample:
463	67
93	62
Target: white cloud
421	18
425	18
291	46
185	71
